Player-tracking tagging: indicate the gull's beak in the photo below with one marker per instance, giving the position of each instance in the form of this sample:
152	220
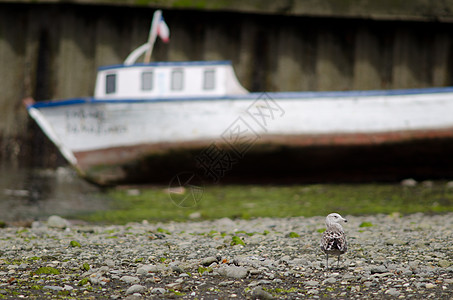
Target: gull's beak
345	220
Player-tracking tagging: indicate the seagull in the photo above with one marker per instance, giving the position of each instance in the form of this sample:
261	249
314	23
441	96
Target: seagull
333	240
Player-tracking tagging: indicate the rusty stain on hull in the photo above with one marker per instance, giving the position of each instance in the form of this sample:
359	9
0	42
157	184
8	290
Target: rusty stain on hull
318	158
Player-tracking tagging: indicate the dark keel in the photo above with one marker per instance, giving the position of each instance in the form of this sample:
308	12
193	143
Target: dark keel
273	163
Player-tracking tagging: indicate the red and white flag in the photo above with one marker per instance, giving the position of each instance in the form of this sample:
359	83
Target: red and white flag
158	28
162	30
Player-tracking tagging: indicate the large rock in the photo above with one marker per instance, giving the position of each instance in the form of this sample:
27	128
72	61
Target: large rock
259	293
130	279
378	269
146	269
208	260
233	272
57	222
136	288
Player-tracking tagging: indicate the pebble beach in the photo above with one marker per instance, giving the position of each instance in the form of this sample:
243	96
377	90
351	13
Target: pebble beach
389	256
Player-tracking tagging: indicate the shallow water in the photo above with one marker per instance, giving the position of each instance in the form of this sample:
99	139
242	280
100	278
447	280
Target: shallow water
35	194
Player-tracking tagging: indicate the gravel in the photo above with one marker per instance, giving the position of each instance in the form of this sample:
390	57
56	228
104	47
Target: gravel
391	257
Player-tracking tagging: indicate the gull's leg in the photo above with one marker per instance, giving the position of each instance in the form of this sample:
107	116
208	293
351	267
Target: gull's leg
327	261
338	262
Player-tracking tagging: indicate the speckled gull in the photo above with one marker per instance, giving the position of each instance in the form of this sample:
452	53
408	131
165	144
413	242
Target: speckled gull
333	240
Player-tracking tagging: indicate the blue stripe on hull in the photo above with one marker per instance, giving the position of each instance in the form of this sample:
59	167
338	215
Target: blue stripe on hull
168	64
254	96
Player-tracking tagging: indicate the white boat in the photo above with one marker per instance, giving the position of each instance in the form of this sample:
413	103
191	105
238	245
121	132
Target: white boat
143	112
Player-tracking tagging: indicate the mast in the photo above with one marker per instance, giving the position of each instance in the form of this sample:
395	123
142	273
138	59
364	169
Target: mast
152	34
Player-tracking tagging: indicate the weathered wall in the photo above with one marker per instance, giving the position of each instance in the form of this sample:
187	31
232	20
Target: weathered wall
51	51
414	10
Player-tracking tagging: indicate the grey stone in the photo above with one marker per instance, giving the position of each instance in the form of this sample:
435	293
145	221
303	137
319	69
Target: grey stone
144	270
312	283
130	279
136	288
404	271
233	272
348	276
254	261
53	288
443	263
329	280
95	278
395	242
225	283
430	285
177	269
393	292
378	269
208	260
174	286
158	291
37	225
57	222
413	265
254	271
298	262
285	259
419	284
110	263
259	293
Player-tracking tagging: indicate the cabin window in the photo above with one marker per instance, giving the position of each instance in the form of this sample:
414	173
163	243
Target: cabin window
177	80
209	80
110	83
147	81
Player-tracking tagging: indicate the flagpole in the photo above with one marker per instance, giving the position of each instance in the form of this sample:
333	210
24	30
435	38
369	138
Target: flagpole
152	35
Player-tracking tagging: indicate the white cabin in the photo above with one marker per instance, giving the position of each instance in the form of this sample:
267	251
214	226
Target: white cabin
162	80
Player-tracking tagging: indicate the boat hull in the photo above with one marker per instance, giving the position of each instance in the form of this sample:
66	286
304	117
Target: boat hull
128	141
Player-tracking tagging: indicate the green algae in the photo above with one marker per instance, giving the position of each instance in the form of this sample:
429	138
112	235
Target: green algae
366	224
85	267
235	240
201	270
252	201
47	270
292	234
75	244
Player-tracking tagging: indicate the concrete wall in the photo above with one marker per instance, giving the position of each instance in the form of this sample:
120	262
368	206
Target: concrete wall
51	51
